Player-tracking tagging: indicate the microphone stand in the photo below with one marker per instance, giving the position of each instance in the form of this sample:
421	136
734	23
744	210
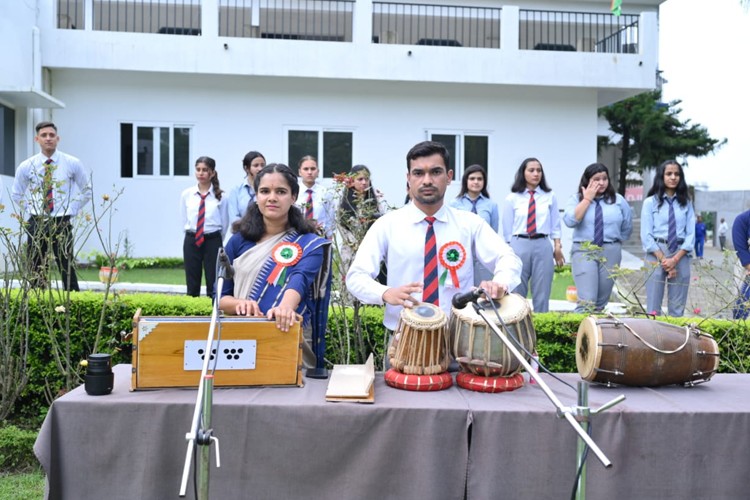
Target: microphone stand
203	436
573	415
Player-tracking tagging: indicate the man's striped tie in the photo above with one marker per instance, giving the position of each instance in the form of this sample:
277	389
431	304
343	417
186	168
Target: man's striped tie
49	202
309	205
430	291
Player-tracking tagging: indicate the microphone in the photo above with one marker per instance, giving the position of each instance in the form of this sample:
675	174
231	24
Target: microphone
460	300
225	265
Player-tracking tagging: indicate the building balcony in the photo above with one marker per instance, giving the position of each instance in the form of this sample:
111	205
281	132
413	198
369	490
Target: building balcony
362	40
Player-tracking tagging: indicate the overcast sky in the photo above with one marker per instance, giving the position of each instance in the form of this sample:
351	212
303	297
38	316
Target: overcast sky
704	50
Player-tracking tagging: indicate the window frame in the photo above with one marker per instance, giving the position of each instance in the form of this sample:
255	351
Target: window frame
319	155
459	158
157	167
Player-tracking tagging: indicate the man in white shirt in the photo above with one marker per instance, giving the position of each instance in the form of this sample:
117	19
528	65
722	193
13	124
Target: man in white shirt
400	239
51	187
313	199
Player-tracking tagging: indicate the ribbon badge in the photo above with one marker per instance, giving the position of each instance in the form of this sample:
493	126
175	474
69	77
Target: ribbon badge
452	256
285	254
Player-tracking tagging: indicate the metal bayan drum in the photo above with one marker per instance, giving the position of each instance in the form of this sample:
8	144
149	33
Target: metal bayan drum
477	348
421	343
644	352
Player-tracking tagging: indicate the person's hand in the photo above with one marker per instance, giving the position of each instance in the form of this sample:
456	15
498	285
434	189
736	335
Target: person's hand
559	257
246	307
590	191
402	295
285	317
494	290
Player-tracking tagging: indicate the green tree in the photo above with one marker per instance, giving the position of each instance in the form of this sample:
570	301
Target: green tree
651	131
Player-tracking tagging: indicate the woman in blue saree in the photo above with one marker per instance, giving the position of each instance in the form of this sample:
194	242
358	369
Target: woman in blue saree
276	256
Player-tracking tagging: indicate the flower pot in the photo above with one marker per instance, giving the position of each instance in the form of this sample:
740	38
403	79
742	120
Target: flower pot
571	294
108	274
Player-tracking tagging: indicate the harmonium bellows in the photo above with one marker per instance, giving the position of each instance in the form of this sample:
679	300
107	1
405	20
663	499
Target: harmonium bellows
169	352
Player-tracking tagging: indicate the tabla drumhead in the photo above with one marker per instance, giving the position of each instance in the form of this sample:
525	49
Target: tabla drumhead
588	355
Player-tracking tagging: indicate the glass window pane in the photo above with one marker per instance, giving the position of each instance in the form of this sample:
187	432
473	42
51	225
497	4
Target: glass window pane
475	151
449	141
302	143
7	141
145	150
163	151
181	151
126	150
337	153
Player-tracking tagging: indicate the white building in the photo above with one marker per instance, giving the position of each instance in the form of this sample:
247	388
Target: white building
140	88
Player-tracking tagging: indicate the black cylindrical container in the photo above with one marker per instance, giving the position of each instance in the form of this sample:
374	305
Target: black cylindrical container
99	378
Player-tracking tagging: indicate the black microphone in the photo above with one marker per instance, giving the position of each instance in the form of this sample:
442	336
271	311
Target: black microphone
224	264
461	299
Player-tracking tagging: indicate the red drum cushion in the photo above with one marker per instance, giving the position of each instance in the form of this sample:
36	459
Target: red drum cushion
489	384
406	382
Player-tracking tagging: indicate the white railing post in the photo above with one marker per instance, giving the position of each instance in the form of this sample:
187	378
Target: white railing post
509	21
362	23
210	18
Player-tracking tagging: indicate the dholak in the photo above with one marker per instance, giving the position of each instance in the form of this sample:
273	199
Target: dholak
419	354
486	364
644	352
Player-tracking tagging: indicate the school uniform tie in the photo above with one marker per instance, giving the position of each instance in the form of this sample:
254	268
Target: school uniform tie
199	236
309	205
671	228
598	224
49	202
531	218
474	205
430	290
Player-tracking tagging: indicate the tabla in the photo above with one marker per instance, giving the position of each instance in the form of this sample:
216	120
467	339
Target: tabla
644	352
419	354
481	353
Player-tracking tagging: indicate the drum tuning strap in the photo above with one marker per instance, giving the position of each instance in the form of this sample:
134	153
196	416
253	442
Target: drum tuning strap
649	345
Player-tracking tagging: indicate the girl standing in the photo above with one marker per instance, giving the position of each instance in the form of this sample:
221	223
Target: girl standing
475	198
241	196
668	236
205	220
530	220
603	218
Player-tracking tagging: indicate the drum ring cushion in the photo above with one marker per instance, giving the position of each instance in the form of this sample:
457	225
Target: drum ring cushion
479	383
406	382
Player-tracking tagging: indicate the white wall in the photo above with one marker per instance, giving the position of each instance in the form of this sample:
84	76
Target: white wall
232	115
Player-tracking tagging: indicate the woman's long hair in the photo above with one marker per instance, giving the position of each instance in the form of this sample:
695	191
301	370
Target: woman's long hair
465	180
252	227
248	160
590	171
519	184
354	200
659	189
211	164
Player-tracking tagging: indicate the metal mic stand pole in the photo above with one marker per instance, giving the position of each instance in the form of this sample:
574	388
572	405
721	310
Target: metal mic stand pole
562	411
203	436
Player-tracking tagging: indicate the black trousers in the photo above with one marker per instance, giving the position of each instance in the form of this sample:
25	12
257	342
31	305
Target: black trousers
200	260
57	231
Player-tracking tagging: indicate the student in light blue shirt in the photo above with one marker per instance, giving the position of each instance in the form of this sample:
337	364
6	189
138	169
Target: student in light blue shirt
475	198
593	266
530	220
240	196
668	254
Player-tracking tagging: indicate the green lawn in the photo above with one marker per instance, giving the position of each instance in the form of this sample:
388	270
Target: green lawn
560	284
22	486
161	276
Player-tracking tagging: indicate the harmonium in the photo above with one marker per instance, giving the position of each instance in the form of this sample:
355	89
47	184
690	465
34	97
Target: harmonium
169	352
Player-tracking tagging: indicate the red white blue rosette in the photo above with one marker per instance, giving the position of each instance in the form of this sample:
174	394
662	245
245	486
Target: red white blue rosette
452	257
285	254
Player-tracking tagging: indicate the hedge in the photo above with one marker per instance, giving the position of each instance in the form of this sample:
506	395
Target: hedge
555	333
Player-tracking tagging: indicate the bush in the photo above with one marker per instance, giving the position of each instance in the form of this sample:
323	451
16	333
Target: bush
17	449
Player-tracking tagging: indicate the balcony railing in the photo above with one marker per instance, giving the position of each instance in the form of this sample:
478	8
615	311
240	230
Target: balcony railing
332	20
446	25
325	20
577	31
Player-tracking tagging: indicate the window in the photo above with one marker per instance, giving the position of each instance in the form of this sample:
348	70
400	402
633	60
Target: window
465	149
154	150
332	148
7	141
